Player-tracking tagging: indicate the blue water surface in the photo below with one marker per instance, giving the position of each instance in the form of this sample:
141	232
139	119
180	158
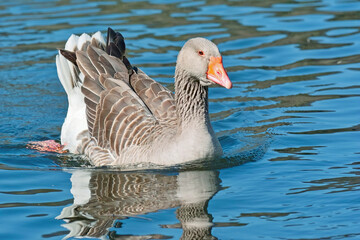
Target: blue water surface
289	127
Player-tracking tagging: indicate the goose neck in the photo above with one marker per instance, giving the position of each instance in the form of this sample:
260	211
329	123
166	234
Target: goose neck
191	98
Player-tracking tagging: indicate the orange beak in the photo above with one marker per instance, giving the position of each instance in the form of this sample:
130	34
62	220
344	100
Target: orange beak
217	73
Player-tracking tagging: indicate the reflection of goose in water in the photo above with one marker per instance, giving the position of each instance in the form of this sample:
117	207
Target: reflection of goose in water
100	198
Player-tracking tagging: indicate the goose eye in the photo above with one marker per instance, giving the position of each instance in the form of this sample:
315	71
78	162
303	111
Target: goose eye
201	53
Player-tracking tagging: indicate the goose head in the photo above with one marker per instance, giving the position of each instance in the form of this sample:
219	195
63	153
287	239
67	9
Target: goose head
201	59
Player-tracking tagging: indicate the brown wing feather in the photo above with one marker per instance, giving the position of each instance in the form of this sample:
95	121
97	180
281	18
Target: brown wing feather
118	110
153	94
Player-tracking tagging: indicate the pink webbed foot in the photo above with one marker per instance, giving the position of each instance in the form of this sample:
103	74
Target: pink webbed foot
46	146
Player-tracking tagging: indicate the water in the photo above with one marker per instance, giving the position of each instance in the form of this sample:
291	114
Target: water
289	127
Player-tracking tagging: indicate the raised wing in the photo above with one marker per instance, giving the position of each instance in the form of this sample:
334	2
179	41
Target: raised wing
116	115
123	104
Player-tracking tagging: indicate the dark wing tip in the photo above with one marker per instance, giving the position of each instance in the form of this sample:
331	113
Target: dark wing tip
71	56
115	46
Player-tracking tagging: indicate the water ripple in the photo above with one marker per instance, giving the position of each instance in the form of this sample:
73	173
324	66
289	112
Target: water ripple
289	127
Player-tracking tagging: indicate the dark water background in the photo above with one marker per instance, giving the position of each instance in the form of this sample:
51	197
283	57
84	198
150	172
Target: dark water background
290	126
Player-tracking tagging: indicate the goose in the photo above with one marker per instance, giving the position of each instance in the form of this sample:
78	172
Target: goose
117	115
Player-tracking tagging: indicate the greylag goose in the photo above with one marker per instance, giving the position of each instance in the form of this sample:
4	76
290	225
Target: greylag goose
118	115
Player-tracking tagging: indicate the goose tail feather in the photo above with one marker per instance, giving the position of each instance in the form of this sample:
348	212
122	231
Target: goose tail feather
71	79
